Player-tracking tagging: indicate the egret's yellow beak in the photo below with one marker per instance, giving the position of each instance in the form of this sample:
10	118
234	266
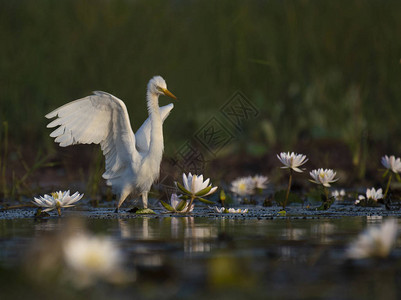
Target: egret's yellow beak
169	94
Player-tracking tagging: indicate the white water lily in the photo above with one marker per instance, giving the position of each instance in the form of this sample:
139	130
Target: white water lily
323	176
373	194
376	241
175	202
57	200
338	194
260	182
91	257
292	160
360	199
243	186
194	184
195	187
229	210
392	163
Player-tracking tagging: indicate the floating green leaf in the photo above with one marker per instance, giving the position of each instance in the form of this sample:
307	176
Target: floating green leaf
145	211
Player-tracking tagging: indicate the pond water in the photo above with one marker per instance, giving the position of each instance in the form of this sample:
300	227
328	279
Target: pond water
203	256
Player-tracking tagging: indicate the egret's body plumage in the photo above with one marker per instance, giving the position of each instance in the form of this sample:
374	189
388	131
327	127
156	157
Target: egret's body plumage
132	160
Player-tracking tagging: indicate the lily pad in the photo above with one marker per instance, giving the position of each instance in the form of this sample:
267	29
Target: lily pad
145	211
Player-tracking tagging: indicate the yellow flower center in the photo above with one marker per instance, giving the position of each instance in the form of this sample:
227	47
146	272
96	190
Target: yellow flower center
55	195
94	261
242	186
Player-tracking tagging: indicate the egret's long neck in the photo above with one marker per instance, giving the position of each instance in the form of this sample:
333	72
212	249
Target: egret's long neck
156	132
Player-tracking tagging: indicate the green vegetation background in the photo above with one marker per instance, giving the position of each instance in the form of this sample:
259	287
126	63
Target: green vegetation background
314	69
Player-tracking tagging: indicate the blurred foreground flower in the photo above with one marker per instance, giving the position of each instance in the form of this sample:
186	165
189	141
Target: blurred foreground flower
292	160
323	176
229	210
372	196
57	201
393	166
91	258
375	241
177	205
243	186
195	188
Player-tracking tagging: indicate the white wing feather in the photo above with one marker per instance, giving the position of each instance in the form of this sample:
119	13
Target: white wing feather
101	119
143	134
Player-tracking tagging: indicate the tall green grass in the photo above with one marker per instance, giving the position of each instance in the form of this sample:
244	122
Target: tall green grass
315	69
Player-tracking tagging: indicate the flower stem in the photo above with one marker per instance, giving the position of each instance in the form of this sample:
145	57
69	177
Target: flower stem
388	184
190	203
326	192
288	190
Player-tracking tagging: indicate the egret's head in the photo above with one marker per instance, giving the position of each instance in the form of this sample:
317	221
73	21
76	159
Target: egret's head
157	85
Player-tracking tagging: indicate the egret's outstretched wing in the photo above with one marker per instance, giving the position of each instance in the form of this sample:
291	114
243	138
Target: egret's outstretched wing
101	119
143	134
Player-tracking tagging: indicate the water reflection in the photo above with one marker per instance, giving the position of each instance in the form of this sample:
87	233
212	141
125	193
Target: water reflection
374	219
194	249
132	231
294	234
198	238
323	231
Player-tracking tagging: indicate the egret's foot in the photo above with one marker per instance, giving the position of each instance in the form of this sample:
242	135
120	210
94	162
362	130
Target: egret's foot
145	211
133	210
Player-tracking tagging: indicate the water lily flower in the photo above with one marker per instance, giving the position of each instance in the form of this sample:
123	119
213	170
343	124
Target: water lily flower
323	176
229	210
194	185
243	186
177	205
292	160
57	200
195	188
260	182
376	241
360	199
392	163
372	196
91	257
338	194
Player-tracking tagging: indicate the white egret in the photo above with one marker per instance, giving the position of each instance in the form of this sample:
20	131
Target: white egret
132	160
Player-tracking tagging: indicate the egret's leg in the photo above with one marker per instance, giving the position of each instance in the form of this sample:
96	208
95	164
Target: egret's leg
124	194
145	199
